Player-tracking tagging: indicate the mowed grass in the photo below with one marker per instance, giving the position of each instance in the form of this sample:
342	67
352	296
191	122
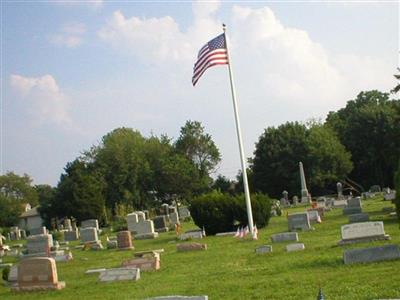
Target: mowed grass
230	269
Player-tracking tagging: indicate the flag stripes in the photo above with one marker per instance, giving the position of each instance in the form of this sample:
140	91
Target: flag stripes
211	54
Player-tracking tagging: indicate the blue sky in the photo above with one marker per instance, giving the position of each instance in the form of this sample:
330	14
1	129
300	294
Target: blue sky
73	71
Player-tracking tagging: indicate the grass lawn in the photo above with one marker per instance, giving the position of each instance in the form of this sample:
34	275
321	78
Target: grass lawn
230	269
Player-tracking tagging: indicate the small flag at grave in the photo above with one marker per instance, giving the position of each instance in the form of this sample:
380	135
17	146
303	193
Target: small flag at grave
255	233
319	219
246	230
241	233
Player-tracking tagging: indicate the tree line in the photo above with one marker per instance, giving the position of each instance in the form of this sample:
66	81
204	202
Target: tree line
357	145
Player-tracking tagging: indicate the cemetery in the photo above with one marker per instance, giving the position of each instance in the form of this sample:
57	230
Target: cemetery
125	175
221	266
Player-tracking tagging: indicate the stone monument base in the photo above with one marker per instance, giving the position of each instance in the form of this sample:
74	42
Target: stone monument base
364	239
42	287
146	236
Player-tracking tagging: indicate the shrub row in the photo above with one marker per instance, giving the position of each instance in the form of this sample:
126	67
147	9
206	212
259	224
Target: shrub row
218	212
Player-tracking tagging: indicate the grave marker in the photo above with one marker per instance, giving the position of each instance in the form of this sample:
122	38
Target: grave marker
191	247
361	232
373	254
355	218
119	274
124	240
295	247
284	237
39	273
299	221
264	249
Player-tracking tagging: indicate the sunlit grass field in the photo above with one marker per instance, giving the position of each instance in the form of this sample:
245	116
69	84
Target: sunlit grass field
230	269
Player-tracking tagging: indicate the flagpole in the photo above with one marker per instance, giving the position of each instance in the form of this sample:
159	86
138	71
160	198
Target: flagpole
239	136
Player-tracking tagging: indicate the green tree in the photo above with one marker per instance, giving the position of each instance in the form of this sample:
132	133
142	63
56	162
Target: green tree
121	162
223	184
172	175
79	193
276	159
198	147
369	127
279	151
46	194
396	89
328	160
19	188
15	191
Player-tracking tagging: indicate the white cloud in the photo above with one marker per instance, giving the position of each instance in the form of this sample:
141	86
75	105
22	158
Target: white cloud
43	98
282	74
160	39
70	35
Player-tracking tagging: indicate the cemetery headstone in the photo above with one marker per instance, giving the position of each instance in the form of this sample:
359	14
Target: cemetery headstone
339	190
174	218
165	209
361	232
39	273
191	235
15	233
22	234
95	271
184	212
375	189
39	244
90	223
145	263
355	218
13	275
373	254
264	249
305	196
284	237
124	240
67	224
141	228
88	234
190	247
72	235
354	202
313	215
39	230
295	200
120	274
160	224
299	221
352	210
295	247
389	196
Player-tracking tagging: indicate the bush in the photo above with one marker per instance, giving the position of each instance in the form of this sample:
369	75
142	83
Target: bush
213	211
260	206
119	224
218	212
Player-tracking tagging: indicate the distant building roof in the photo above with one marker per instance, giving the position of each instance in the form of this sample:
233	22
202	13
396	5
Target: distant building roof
30	213
26	206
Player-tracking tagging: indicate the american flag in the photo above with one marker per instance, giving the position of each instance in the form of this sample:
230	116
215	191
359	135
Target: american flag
211	54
